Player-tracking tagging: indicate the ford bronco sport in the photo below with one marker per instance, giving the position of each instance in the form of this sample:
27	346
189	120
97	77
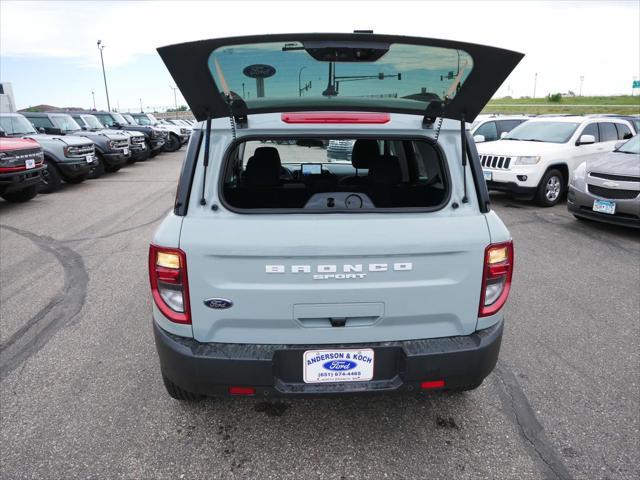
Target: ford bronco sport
281	273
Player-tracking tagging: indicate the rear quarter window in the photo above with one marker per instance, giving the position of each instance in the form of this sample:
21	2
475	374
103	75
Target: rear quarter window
301	176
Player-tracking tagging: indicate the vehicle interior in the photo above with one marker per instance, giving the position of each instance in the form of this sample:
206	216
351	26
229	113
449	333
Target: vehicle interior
302	175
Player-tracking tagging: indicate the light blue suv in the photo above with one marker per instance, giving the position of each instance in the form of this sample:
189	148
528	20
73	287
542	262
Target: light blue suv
280	272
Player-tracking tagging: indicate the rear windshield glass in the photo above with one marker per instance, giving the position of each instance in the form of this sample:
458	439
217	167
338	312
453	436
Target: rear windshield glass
312	72
552	132
311	175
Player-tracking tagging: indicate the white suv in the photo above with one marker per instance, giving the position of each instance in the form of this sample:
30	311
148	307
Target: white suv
489	128
535	160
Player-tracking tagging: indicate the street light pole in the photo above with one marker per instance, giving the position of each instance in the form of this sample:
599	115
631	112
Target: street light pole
104	74
535	81
93	94
581	80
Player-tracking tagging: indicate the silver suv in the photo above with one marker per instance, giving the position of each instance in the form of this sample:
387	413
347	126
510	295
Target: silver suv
281	273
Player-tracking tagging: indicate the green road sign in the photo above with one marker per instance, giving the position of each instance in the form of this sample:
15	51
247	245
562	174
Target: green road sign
636	84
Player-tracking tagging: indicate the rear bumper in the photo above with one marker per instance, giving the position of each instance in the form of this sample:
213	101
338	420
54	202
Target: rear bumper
13	181
276	370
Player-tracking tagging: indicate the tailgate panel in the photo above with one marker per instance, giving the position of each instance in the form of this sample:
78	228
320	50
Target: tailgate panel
413	277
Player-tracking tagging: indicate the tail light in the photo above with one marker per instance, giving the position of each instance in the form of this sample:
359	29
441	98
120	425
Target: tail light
496	277
168	277
336	117
432	384
247	391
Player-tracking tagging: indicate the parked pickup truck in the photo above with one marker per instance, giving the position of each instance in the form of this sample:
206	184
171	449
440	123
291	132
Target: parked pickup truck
154	137
177	136
138	148
66	157
21	166
112	150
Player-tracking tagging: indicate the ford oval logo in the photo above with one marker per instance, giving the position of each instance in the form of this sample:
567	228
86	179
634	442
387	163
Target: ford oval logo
218	303
341	365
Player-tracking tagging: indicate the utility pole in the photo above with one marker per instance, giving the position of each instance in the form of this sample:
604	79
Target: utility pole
535	81
141	110
175	99
581	80
93	94
104	74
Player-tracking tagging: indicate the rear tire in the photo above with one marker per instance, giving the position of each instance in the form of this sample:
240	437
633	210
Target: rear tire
21	196
51	178
98	169
551	188
178	393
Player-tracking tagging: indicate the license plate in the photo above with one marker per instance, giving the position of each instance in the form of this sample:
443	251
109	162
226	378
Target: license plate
126	151
143	146
487	175
31	163
89	158
604	206
330	366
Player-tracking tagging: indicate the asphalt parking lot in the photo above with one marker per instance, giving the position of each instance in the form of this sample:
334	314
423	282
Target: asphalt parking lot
81	394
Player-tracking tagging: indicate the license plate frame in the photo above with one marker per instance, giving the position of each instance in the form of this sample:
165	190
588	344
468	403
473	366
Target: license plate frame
29	164
338	365
604	206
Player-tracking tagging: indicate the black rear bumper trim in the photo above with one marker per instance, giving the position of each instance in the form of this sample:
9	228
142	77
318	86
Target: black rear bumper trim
276	370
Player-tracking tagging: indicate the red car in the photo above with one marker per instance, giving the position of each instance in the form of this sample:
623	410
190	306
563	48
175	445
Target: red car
21	166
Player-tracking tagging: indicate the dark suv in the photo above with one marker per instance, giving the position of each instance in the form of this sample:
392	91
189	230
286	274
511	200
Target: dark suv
154	137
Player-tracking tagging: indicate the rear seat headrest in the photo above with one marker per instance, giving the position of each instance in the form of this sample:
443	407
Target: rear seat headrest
385	170
263	168
364	153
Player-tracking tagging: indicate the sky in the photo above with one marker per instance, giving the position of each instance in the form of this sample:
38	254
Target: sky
48	49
